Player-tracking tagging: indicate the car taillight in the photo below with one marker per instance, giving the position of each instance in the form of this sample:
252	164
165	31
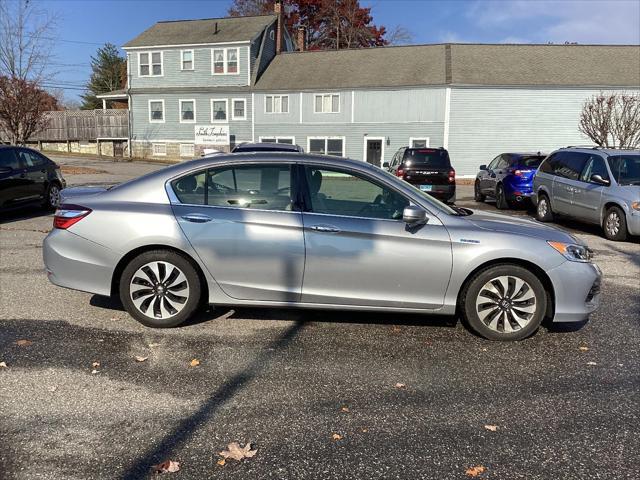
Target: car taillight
518	172
67	215
400	173
452	176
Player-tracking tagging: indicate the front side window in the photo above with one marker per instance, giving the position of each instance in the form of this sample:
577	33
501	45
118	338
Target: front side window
150	64
625	169
156	111
276	104
239	109
327	103
218	110
595	166
327	146
334	192
187	60
187	111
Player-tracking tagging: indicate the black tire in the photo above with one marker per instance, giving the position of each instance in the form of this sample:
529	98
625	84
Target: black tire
614	224
165	298
51	196
530	321
543	209
477	194
501	199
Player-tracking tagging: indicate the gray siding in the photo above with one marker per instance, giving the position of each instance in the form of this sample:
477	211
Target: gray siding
410	105
268	50
487	121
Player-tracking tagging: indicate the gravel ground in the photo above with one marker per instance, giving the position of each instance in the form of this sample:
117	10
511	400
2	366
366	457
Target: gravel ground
565	402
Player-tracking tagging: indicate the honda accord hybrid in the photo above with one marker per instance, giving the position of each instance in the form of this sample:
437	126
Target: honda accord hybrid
289	229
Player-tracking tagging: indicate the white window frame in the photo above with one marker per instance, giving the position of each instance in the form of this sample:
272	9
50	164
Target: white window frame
278	137
193	150
411	139
344	143
226	109
180	102
233	109
273	112
225	61
153	149
193	60
164	111
330	94
150	53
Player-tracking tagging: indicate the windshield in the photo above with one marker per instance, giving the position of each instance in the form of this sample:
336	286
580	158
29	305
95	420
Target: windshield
625	169
431	157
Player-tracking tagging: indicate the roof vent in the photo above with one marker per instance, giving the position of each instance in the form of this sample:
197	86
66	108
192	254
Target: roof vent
215	28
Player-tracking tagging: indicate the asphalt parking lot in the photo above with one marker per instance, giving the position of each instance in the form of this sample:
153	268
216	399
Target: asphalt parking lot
321	395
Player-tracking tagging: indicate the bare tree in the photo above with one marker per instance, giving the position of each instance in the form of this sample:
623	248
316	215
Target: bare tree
612	120
399	35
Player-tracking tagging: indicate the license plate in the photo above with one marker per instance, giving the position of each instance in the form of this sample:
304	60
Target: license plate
425	188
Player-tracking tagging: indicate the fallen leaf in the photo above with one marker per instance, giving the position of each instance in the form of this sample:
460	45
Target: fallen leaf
194	363
483	349
345	409
396	329
95	364
23	342
52	389
591	363
400	385
364	430
3	365
153	345
475	471
491	428
235	451
140	359
583	349
221	462
94	371
337	436
168	466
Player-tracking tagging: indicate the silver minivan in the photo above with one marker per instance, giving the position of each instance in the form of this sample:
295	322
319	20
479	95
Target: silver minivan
594	185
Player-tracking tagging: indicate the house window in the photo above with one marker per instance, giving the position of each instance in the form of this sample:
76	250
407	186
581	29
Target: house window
287	140
187	150
326	145
276	104
224	61
156	111
187	111
150	64
159	149
327	103
219	110
422	142
187	59
239	109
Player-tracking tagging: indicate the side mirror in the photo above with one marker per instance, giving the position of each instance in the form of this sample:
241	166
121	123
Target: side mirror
599	180
385	165
483	167
414	215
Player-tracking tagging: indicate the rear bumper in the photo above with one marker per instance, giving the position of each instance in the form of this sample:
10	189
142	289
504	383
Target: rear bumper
577	290
445	193
74	262
518	192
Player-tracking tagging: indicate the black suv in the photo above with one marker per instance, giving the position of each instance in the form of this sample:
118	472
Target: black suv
429	169
27	176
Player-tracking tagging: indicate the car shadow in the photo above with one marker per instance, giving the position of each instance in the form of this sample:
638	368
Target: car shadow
23	213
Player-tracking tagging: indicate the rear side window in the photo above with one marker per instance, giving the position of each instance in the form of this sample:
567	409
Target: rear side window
30	159
432	157
8	158
190	189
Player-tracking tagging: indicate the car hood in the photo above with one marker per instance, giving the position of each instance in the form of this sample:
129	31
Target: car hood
81	191
520	226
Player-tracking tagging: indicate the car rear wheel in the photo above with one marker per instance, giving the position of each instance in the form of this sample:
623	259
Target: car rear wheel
504	302
52	197
501	199
543	210
160	288
477	194
615	224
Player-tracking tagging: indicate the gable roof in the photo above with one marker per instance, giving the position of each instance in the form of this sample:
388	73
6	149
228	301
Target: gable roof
193	32
455	64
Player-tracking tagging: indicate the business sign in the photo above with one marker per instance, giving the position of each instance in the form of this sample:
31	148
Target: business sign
212	135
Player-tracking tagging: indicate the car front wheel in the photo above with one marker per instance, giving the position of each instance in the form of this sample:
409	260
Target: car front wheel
615	224
160	288
504	302
477	193
543	210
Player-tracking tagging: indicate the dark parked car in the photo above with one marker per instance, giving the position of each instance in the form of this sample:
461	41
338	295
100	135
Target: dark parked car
429	169
27	176
267	147
508	178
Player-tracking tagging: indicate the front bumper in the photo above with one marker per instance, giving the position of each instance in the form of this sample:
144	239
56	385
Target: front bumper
633	222
74	262
577	290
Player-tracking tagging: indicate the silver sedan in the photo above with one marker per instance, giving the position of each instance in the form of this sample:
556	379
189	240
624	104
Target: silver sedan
295	230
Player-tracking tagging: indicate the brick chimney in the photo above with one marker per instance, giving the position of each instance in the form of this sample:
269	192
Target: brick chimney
302	40
277	9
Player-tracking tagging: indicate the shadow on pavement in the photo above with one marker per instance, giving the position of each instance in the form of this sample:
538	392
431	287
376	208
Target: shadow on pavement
24	213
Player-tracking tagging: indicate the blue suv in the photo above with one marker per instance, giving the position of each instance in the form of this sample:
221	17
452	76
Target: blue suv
508	178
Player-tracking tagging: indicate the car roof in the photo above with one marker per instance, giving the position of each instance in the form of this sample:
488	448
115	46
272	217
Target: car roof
606	151
526	154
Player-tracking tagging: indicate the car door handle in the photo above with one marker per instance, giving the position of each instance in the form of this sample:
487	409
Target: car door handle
196	218
324	228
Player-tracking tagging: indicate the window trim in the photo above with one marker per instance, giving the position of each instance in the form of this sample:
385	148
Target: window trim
278	137
161	100
233	109
190	145
193	60
316	95
272	110
180	110
411	139
150	53
225	60
226	110
326	138
153	149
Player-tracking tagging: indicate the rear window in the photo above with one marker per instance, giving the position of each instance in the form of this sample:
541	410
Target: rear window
530	161
432	157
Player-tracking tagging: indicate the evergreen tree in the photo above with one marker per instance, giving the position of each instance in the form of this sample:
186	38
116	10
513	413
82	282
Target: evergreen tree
109	72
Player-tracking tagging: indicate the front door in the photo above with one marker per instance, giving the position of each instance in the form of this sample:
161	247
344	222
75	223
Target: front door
374	152
587	196
240	221
360	252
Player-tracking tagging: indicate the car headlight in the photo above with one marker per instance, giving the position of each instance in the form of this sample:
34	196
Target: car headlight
572	251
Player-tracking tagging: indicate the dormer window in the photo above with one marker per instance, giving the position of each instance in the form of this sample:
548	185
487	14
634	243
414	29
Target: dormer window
224	61
150	64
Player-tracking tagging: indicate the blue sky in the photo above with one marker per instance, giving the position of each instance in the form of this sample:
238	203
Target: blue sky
84	25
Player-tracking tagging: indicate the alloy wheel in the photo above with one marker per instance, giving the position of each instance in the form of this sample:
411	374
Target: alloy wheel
506	304
612	224
542	208
159	290
54	196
